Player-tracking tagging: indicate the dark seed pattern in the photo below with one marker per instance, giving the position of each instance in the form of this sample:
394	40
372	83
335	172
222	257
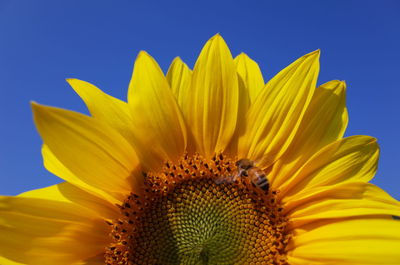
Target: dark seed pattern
194	212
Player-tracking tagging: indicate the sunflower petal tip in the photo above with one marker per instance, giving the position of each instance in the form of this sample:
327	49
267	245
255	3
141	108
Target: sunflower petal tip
144	58
342	84
335	85
316	53
37	106
370	140
33	103
217	35
217	39
215	45
36	109
176	60
69	80
242	55
142	54
73	82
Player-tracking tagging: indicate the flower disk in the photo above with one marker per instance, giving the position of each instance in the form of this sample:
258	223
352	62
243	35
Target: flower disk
194	212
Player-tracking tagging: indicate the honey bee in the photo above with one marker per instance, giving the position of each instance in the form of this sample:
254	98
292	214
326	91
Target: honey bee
247	168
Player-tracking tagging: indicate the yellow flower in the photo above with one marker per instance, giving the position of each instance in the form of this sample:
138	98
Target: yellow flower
209	166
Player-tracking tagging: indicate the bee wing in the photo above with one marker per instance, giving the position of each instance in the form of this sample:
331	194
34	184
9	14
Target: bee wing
225	179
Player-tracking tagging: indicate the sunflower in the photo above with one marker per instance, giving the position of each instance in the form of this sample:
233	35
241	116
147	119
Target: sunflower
210	166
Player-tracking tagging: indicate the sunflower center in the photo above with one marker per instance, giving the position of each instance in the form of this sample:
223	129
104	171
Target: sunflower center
201	212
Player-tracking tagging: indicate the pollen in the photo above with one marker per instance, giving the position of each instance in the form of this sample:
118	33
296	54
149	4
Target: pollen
198	211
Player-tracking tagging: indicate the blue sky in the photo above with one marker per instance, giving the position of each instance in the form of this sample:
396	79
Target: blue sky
44	42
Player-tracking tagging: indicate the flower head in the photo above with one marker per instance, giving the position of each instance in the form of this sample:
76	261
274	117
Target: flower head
210	166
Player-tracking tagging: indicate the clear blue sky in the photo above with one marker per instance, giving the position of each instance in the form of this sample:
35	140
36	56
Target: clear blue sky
44	42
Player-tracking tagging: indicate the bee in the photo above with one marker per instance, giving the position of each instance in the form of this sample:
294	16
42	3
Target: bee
247	168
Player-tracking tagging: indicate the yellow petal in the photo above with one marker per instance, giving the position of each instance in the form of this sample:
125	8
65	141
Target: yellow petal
250	73
243	107
350	159
157	121
363	241
90	150
96	260
325	121
66	192
5	261
52	164
41	231
351	199
179	77
273	119
211	107
110	110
